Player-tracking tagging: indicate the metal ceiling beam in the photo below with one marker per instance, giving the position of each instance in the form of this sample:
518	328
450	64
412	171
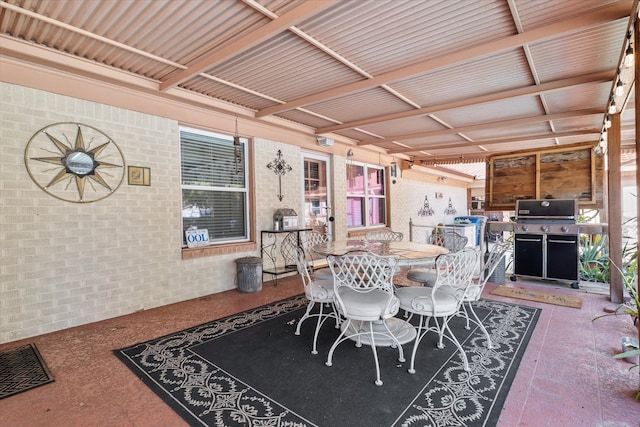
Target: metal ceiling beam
277	26
600	77
482	126
593	131
606	14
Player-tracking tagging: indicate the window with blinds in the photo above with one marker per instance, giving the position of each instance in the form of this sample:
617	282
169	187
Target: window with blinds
214	186
365	195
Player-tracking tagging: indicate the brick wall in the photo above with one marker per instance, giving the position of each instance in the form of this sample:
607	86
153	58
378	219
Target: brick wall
65	264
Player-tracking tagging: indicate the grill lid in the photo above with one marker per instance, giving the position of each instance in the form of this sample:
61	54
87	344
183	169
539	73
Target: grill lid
547	209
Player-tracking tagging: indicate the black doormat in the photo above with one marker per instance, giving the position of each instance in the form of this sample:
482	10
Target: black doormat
250	369
21	369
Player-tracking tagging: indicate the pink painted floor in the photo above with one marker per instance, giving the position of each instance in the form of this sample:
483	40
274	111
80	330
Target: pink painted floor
567	376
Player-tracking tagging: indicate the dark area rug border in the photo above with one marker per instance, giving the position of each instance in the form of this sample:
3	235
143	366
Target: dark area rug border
148	358
22	368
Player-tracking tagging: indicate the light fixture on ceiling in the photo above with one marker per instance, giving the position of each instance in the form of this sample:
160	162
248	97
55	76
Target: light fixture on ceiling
612	107
442	179
324	142
411	164
607	122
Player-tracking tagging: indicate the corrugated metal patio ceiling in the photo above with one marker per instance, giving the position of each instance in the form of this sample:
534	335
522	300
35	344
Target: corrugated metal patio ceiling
447	78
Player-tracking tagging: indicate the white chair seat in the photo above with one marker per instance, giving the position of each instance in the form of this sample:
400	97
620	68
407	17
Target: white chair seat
473	293
368	306
422	275
320	291
364	296
442	301
417	299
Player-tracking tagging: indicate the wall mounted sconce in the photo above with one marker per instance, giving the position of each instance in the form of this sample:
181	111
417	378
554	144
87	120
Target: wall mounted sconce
426	209
350	153
450	209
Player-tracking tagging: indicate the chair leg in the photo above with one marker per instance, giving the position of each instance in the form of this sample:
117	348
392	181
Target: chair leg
375	353
423	328
484	330
466	315
319	323
453	338
396	342
307	314
343	336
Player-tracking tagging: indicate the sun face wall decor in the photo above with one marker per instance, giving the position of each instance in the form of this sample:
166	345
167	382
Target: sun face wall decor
74	162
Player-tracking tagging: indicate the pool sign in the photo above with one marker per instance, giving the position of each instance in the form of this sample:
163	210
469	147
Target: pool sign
197	237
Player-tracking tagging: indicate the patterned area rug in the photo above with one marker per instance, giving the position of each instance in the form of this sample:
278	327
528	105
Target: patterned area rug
21	369
250	369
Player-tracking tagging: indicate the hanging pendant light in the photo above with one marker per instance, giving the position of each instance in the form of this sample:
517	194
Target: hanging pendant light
237	154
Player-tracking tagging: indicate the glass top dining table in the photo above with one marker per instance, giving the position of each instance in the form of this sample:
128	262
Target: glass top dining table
408	253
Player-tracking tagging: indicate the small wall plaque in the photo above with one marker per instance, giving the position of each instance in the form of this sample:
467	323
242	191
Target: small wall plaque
139	175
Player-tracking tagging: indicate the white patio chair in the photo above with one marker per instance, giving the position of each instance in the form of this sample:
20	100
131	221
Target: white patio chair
384	235
364	297
316	291
426	274
319	267
498	251
442	301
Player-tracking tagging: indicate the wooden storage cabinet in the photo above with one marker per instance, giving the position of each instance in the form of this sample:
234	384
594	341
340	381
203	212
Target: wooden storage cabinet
565	173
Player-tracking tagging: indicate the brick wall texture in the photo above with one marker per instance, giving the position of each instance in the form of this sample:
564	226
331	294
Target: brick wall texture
66	264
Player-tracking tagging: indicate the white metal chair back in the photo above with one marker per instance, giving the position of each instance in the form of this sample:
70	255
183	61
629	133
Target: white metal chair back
312	238
442	301
450	240
455	271
317	292
363	271
364	296
384	235
497	252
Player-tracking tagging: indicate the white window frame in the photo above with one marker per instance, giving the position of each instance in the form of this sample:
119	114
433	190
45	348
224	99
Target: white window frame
244	191
366	196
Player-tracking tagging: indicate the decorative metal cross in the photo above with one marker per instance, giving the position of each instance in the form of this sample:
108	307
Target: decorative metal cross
280	168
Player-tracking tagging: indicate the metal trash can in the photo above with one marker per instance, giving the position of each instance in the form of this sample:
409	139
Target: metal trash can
249	274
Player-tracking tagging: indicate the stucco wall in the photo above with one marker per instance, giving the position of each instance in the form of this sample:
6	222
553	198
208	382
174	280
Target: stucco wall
407	197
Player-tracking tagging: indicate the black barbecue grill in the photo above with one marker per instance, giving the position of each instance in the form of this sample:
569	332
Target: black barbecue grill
546	240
